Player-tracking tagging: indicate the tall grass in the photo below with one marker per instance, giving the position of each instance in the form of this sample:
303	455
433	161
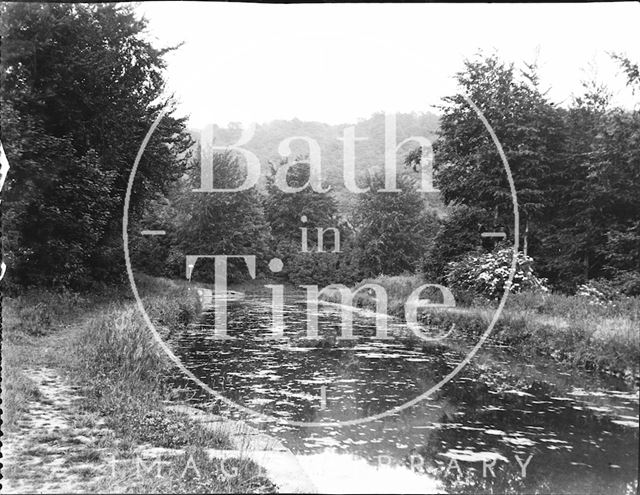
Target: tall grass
102	343
126	374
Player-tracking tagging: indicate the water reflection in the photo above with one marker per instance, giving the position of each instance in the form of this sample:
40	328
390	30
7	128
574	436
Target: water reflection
581	434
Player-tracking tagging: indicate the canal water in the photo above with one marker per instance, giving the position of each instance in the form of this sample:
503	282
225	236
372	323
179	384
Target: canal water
503	424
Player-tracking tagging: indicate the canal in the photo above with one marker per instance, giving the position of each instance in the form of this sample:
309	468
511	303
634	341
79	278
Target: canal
502	424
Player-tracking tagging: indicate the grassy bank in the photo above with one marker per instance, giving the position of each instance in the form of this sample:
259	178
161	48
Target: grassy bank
570	329
100	344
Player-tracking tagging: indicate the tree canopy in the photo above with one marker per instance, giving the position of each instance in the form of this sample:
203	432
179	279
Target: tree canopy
80	89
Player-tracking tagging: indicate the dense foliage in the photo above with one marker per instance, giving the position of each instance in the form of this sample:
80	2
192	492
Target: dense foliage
80	88
576	172
393	229
458	234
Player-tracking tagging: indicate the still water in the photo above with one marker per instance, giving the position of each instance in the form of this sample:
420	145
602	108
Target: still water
501	425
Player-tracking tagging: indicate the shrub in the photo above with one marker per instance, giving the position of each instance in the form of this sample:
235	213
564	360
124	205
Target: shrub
486	274
627	282
598	292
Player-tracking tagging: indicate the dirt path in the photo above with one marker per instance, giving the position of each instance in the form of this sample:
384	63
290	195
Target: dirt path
57	448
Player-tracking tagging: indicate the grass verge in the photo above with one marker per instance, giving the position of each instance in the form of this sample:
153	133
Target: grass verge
100	343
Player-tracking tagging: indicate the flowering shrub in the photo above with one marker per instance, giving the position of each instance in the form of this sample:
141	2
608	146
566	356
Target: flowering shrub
487	273
592	294
600	292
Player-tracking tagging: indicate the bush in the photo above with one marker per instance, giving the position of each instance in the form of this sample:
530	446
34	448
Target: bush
486	274
598	291
627	282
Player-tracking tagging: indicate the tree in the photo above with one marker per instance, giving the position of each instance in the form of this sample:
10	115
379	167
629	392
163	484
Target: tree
393	230
284	210
85	81
468	167
572	223
57	205
591	218
631	70
615	169
230	223
288	213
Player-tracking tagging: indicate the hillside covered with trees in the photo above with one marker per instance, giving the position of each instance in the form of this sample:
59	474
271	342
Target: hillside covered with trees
369	146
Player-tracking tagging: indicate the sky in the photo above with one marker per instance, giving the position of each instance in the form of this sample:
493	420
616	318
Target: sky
338	63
